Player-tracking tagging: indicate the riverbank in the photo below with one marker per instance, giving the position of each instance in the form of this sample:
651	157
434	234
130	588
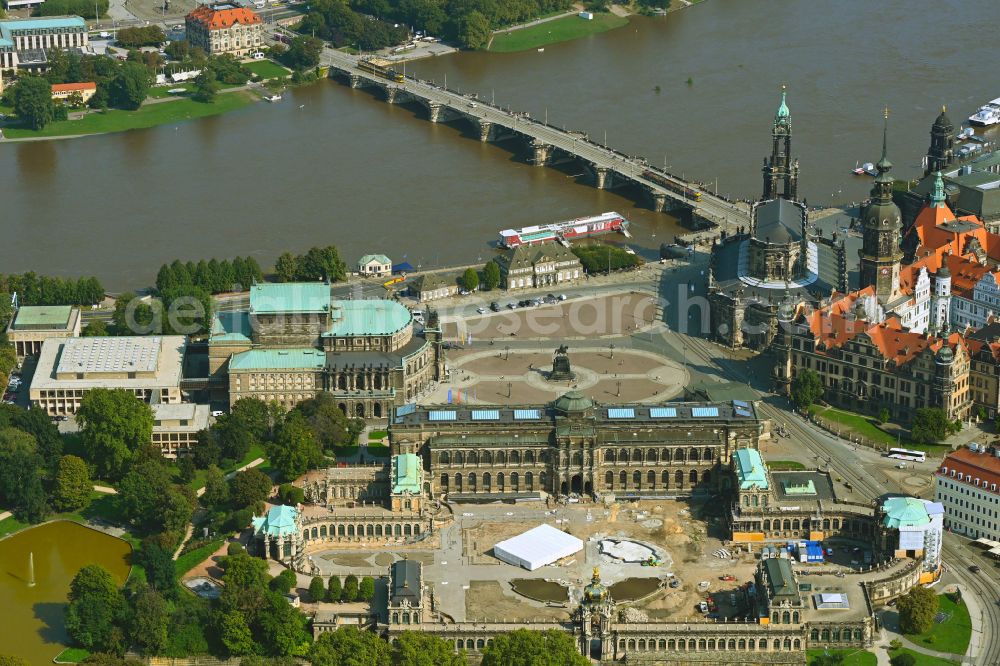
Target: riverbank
560	29
148	115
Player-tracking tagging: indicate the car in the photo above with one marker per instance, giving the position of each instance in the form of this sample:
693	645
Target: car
562	297
525	303
512	305
974	569
481	310
536	302
727	577
217	413
62	419
901	465
494	306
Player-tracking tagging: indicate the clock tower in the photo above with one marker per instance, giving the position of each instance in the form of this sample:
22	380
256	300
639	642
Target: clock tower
781	172
882	224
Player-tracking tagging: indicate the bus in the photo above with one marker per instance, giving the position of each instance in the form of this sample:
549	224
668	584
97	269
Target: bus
380	67
906	454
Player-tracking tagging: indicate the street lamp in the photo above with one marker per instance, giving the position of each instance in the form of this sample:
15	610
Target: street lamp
612	348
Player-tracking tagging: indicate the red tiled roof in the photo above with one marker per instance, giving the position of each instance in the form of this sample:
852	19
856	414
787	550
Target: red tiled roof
73	87
214	19
984	466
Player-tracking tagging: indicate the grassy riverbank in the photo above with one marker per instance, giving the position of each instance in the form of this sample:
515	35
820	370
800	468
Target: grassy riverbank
149	115
552	32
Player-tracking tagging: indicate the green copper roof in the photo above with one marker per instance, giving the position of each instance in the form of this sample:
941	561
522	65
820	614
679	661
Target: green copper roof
368	258
783	107
573	401
750	469
904	512
381	317
278	359
406	473
938	198
300	297
43	316
231	327
279	521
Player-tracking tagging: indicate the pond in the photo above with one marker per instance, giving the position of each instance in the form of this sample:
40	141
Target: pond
633	588
540	590
35	614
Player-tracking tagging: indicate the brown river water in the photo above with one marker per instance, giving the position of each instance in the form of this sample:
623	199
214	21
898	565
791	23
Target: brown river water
334	165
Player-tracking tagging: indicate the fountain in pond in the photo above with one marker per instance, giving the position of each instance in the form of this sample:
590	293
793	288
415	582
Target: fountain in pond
31	568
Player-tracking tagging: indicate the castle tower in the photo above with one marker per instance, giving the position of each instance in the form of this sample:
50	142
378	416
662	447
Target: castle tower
881	223
941	300
781	172
941	152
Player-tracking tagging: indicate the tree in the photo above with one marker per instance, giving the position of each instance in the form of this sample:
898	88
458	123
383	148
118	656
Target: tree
96	328
917	609
22	469
73	485
245	587
332	428
349	646
235	633
491	276
304	52
114	424
533	648
33	102
350	589
807	387
474	31
94	605
322	263
930	425
249	487
334	591
295	450
317	589
283	582
178	50
416	648
130	85
186	470
282	628
366	589
130	38
205	87
904	659
216	488
884	415
287	267
147	618
291	495
150	500
470	279
158	563
835	659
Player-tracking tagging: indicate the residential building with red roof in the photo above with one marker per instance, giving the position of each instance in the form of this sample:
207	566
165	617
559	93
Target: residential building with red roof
225	28
967	484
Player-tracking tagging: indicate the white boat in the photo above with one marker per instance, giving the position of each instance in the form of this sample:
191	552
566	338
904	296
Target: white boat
273	98
866	168
987	115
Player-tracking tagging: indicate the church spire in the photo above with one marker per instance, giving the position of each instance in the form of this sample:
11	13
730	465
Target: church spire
782	114
884	165
781	171
937	197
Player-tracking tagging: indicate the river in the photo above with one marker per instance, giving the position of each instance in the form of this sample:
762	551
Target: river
334	165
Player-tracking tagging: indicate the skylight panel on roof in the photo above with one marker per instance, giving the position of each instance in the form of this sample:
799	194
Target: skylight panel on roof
663	412
527	414
406	410
485	414
442	415
704	411
621	413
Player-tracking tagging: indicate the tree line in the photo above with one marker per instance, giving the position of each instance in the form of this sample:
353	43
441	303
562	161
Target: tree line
84	8
213	276
33	289
319	263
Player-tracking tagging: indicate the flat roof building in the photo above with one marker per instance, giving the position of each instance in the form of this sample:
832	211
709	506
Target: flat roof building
23	42
175	427
34	324
150	367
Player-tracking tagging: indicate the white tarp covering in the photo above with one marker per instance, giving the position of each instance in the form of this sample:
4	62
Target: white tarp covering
537	547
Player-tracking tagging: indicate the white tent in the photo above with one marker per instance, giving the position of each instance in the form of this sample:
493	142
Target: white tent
537	547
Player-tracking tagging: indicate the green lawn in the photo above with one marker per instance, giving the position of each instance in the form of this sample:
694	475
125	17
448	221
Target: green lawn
551	32
193	558
851	657
102	507
256	451
267	69
923	659
867	428
157	92
380	450
778	465
953	634
150	115
378	434
71	656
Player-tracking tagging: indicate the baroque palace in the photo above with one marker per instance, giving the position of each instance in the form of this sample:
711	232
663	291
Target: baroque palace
294	341
486	453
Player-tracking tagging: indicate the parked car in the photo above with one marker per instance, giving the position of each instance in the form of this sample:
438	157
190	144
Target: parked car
974	569
481	310
494	306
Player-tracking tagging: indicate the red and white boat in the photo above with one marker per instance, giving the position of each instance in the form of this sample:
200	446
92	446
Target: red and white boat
565	231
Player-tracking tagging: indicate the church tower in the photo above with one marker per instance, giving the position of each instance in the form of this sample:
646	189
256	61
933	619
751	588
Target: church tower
942	150
881	224
781	173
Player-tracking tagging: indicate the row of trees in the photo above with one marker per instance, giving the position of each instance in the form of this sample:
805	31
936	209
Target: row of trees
213	276
84	8
489	280
319	263
33	289
133	38
605	258
350	590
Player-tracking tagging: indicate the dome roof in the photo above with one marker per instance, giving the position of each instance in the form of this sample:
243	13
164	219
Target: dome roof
943	272
573	401
596	591
943	122
945	355
786	311
782	111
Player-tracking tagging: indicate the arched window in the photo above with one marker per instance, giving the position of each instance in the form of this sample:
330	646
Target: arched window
795	617
711	643
651	455
623	456
459	457
480	644
529	457
797	644
679	478
693	455
637	479
701	643
487	482
708	454
788	643
577	459
706	476
693	476
609	456
665	478
767	525
458	482
732	644
473	457
637	455
786	618
671	644
665	455
487	457
679	455
501	457
651	479
444	482
515	457
609	480
515	481
407	530
642	644
472	482
500	481
623	479
444	458
742	645
529	481
631	644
